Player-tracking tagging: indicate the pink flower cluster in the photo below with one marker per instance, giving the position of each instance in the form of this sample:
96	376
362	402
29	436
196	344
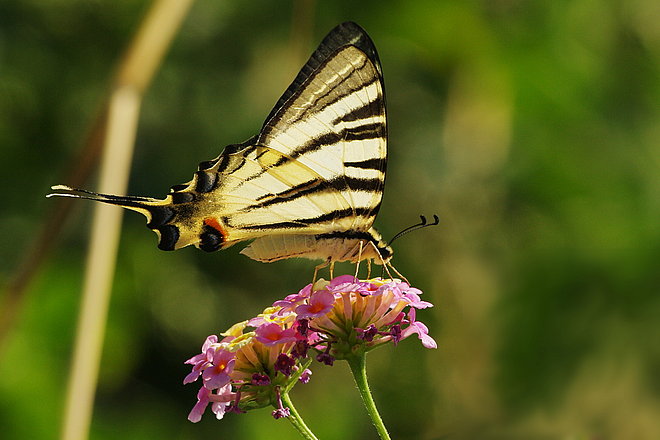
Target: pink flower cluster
337	319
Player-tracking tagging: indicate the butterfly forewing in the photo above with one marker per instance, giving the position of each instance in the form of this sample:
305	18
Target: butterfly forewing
335	125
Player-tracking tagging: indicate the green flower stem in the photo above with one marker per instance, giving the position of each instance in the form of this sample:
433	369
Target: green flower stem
295	418
293	380
358	364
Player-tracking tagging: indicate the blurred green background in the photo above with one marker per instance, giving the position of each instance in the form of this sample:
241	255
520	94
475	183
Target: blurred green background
531	128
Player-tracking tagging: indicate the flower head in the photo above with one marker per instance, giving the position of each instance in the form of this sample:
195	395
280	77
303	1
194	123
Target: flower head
262	357
348	315
246	369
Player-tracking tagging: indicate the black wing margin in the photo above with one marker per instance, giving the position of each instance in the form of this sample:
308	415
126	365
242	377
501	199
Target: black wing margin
344	34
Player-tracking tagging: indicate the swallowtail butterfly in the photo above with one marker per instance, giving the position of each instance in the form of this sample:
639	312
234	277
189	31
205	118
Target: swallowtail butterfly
308	185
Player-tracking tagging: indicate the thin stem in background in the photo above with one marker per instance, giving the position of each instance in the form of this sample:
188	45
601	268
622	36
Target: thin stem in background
135	74
101	255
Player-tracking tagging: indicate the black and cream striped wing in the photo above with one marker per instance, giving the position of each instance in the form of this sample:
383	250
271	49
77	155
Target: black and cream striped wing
318	164
317	167
332	120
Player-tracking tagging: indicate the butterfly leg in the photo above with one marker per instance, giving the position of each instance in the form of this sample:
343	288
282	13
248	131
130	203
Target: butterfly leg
319	267
397	272
332	269
357	263
387	270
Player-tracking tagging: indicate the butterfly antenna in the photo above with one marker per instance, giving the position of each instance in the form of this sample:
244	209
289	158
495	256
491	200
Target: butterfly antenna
422	224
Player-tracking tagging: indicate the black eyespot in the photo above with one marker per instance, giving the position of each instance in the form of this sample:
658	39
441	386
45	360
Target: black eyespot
224	162
169	235
159	216
205	181
207	164
182	197
211	240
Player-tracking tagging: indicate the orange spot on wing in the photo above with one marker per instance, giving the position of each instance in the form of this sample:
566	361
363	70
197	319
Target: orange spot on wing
215	224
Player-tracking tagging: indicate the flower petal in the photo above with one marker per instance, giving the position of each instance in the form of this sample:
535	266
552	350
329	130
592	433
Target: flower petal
320	303
199	408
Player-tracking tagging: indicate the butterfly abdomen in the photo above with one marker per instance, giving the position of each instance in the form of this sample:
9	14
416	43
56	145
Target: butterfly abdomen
336	247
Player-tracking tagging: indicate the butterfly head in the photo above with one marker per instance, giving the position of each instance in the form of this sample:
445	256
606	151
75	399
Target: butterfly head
383	251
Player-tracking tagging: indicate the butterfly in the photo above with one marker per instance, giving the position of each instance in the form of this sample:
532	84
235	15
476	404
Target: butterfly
308	185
